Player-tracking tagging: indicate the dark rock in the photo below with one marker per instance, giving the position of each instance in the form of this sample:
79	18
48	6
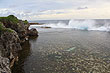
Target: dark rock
13	32
36	23
4	65
46	27
9	47
21	27
33	32
11	44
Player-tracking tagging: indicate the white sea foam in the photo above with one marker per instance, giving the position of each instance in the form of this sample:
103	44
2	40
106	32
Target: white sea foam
87	24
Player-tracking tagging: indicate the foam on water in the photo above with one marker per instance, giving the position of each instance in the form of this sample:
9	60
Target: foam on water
90	25
80	24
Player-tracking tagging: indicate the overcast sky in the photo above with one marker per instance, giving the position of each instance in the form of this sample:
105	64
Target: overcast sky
56	9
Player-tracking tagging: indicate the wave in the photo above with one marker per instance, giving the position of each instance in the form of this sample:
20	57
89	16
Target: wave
81	24
99	25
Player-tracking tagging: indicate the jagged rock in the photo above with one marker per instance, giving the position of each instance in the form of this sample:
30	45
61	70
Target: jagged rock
33	32
9	47
11	44
13	32
4	65
21	27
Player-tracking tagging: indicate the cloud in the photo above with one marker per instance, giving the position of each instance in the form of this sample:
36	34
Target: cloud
55	9
80	8
90	13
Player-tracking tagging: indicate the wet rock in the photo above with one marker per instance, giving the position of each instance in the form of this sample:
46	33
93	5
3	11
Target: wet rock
32	32
36	23
46	27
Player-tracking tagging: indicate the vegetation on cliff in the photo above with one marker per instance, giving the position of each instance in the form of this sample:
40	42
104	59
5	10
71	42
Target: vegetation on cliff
20	26
10	18
3	29
13	32
26	22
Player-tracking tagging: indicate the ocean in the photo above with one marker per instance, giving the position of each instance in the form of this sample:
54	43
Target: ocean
69	46
80	24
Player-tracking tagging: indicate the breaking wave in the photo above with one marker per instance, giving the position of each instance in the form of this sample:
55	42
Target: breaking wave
81	24
100	25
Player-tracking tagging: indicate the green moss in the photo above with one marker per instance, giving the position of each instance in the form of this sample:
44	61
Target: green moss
26	22
13	19
3	29
8	30
10	18
1	26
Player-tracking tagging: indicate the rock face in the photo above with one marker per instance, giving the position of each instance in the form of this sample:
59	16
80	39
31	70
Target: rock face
21	27
33	32
9	47
11	44
4	65
13	32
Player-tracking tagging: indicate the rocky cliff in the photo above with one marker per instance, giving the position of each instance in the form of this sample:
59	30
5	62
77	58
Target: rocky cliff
20	26
13	32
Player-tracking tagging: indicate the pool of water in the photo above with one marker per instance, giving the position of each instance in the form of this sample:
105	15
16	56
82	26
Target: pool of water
65	51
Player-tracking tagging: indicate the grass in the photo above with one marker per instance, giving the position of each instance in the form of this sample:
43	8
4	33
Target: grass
8	30
25	22
3	29
10	18
1	26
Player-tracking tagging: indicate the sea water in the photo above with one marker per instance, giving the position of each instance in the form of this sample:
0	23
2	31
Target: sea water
80	24
69	46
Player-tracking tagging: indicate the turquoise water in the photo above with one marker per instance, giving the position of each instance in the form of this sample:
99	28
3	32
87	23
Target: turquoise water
65	51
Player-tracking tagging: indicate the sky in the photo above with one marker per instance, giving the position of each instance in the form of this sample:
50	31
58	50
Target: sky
56	9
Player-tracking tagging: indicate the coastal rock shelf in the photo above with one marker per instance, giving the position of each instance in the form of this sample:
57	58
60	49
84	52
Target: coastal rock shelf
13	32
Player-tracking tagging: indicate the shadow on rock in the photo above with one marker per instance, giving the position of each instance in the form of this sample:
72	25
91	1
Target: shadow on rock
23	55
